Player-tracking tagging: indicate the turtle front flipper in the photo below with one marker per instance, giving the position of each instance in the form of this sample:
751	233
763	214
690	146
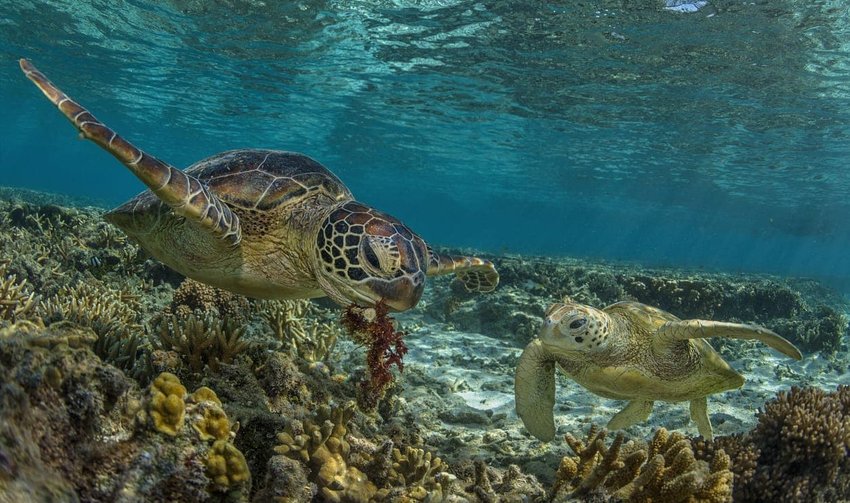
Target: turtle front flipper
534	390
183	193
703	329
476	274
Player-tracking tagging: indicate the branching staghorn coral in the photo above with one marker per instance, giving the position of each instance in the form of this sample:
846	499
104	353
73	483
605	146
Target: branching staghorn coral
295	325
665	470
113	315
16	301
201	342
93	305
416	475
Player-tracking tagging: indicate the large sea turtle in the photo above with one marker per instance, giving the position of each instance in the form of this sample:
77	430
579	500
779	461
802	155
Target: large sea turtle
269	224
629	351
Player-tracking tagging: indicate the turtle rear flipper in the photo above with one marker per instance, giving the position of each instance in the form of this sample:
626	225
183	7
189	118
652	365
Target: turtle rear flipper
534	390
476	274
183	193
636	411
703	329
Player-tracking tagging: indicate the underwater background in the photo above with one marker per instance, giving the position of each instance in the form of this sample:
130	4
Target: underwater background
690	155
609	129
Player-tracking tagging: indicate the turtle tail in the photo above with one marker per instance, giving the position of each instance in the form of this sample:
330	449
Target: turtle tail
185	194
476	274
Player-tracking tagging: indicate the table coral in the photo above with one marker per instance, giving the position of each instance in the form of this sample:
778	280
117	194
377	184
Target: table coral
167	408
665	470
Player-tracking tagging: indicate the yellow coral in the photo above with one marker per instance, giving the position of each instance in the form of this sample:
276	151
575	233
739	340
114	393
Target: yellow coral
664	470
167	407
226	465
322	445
213	424
204	394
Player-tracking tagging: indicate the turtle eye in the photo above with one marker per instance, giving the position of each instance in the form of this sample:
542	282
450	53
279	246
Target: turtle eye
371	257
381	257
578	323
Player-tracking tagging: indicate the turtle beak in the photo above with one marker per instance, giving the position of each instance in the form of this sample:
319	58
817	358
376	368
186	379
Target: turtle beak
400	294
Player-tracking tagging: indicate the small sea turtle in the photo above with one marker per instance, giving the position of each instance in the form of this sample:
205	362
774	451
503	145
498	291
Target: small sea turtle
269	224
629	351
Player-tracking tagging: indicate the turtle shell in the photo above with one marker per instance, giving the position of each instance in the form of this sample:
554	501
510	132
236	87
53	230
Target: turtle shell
259	180
266	179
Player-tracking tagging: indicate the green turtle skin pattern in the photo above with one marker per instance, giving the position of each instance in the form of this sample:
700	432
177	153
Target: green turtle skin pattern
629	351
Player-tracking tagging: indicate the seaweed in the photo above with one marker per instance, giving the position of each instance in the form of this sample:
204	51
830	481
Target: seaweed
375	329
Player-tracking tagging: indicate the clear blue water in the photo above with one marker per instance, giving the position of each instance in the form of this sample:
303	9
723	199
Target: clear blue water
608	129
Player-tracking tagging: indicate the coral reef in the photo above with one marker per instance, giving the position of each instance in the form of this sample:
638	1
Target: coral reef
352	469
295	324
226	465
198	298
167	407
16	301
321	444
73	428
663	470
211	422
375	329
201	342
796	309
87	322
798	451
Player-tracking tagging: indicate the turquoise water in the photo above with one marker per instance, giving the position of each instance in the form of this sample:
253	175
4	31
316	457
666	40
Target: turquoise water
607	129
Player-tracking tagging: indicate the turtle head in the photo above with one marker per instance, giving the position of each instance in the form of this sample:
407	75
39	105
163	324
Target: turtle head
572	327
365	256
